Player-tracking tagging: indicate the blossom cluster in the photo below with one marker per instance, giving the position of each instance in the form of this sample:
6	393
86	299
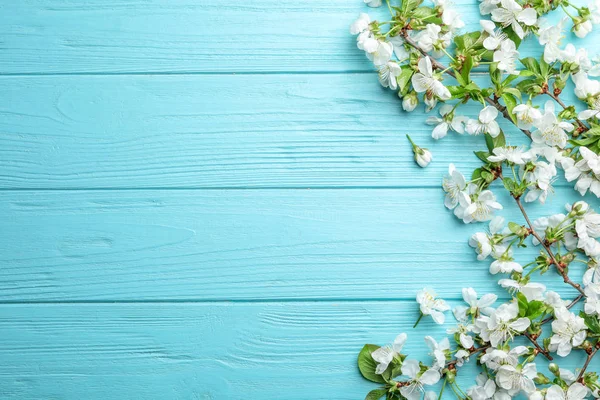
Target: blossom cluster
424	54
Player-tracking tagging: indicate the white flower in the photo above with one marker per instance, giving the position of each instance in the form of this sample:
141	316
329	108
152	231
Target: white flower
505	265
516	379
484	390
576	57
585	87
507	57
526	115
451	18
569	331
429	304
512	154
575	392
501	325
388	75
532	290
432	40
462	329
495	358
486	123
540	225
448	121
487	6
385	354
361	24
587	227
512	14
476	306
424	81
553	300
592	301
583	28
453	184
550	130
438	351
414	388
483	243
476	206
541	178
495	37
382	54
373	3
410	102
550	36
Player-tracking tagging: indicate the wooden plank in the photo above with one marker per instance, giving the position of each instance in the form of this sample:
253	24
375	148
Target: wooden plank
258	131
202	351
241	245
164	36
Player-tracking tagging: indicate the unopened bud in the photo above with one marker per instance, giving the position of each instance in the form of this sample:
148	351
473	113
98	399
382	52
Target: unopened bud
553	368
541	379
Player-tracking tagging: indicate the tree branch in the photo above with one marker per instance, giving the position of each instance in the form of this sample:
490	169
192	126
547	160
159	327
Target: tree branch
558	265
439	66
587	361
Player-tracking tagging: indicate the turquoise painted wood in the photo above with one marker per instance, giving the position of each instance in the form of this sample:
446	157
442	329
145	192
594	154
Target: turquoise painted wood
213	200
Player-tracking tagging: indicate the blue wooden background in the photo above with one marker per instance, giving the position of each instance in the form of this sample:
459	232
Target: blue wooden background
209	199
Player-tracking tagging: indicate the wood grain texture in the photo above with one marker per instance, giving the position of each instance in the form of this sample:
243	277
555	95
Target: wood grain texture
241	245
182	36
294	351
259	131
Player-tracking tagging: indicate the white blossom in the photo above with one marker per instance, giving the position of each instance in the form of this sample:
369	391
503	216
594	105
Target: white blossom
512	154
453	184
388	75
476	306
486	123
512	14
495	358
438	351
517	379
501	325
569	331
575	392
414	388
385	354
432	40
447	121
484	243
526	115
429	304
531	290
550	36
425	81
361	24
550	130
475	205
583	28
506	57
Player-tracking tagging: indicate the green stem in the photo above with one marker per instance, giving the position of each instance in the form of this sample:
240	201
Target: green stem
449	56
566	11
418	320
411	141
442	391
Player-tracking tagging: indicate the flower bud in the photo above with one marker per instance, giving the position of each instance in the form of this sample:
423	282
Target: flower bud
410	101
422	156
568	113
541	379
554	368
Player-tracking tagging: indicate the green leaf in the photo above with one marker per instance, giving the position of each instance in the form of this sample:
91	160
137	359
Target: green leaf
512	36
591	322
408	6
514	227
423	12
367	365
532	65
476	174
482	155
467	40
499	141
376	394
514	91
466	68
511	102
522	300
489	142
535	309
404	77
